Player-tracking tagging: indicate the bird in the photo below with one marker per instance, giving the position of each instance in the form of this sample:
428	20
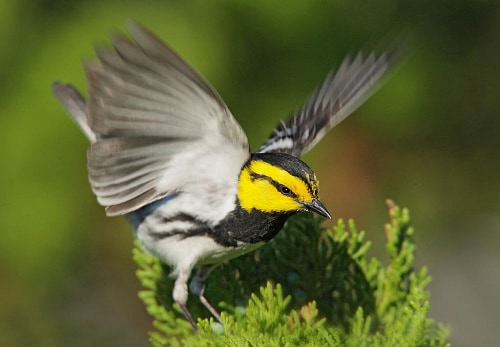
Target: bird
166	152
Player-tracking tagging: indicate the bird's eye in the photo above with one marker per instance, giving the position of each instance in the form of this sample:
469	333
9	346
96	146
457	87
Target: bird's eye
285	190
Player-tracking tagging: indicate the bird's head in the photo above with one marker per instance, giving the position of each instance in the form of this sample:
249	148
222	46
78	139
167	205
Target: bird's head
279	182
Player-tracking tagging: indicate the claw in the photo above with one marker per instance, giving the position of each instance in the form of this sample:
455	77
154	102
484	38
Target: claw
188	316
197	287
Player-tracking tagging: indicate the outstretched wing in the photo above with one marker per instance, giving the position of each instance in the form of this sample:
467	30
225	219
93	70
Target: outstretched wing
151	117
342	92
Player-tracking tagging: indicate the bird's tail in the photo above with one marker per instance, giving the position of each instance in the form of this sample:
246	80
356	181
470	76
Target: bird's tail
74	103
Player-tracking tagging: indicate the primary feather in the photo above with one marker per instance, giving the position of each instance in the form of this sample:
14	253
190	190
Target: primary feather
342	92
151	116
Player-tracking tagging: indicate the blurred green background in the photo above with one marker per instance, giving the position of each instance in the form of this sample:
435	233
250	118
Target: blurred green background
429	139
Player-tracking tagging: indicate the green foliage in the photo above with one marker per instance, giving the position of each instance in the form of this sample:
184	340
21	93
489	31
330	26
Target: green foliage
309	286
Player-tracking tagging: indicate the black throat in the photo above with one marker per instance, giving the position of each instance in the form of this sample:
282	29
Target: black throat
249	227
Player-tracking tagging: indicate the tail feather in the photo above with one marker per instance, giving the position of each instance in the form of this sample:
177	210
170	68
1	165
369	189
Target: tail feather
74	103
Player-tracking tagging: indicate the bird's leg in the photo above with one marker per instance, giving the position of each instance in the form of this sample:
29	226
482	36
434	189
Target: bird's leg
180	295
197	287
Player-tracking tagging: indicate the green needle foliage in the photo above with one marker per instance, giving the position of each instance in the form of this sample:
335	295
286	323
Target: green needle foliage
309	286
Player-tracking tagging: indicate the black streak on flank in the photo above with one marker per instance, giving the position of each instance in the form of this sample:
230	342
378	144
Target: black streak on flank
195	228
238	227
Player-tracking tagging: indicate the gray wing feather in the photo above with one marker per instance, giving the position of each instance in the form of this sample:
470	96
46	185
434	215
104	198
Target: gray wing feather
342	92
147	108
74	103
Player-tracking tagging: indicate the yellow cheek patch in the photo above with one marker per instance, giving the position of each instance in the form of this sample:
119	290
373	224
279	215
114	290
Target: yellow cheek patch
256	191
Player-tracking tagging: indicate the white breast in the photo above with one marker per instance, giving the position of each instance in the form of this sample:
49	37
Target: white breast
207	193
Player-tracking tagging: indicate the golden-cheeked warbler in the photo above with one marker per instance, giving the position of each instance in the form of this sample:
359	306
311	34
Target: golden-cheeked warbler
166	152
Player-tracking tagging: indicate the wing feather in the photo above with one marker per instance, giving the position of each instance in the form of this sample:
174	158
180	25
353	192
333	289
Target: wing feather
342	92
150	115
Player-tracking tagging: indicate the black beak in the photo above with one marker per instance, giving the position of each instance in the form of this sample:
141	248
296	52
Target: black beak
317	207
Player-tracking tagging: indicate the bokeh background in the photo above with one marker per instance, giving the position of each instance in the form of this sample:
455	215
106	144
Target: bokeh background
429	139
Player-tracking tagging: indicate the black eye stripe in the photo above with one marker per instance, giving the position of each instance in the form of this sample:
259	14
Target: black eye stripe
279	187
282	189
254	176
